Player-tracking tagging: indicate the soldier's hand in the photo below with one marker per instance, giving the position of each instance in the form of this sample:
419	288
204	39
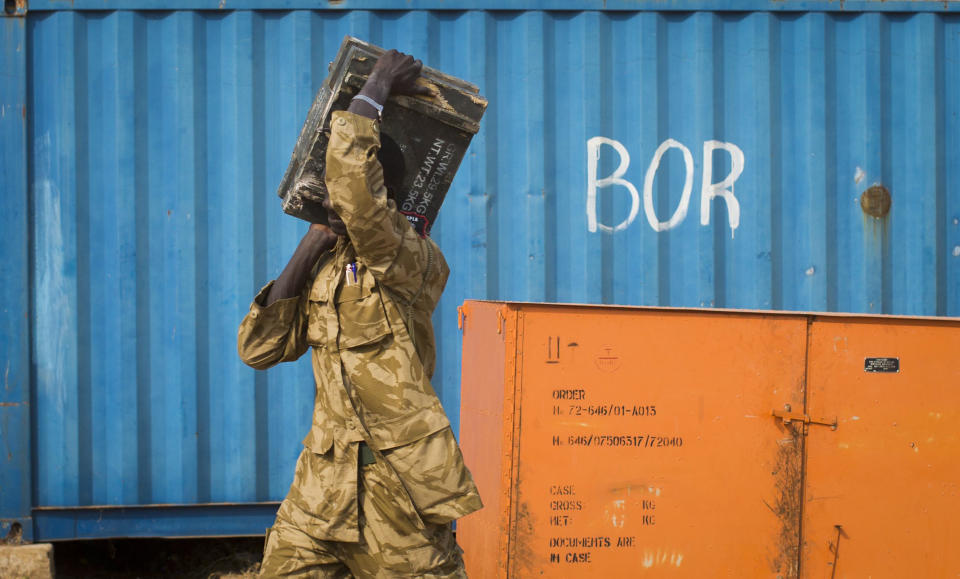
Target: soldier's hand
399	72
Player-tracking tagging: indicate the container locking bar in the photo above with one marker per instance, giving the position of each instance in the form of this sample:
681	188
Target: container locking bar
789	417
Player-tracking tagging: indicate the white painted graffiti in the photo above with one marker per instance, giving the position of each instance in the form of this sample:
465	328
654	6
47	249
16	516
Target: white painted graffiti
708	189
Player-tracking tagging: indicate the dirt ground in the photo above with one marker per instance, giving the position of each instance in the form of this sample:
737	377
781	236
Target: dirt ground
156	558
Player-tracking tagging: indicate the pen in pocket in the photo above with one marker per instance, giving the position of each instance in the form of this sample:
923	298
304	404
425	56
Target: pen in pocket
351	273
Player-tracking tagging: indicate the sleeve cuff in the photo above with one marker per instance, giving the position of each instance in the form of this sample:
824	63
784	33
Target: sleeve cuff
352	138
354	125
281	311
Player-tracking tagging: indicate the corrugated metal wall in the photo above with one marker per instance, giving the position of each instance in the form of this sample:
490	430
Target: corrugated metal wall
156	141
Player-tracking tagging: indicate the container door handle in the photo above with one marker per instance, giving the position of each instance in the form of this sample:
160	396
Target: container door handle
788	417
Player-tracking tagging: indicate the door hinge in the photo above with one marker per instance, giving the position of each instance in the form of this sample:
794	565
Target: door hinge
806	420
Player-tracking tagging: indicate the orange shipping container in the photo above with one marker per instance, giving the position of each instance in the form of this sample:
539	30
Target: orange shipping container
623	442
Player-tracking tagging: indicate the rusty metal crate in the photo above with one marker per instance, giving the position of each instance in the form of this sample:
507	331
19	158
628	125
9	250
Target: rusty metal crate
624	442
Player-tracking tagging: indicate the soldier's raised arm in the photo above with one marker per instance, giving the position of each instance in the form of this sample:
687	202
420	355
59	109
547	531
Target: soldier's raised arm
358	199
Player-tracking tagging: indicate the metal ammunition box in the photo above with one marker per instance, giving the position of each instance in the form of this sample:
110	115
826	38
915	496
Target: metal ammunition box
433	133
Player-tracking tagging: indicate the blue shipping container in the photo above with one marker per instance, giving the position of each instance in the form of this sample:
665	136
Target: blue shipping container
744	154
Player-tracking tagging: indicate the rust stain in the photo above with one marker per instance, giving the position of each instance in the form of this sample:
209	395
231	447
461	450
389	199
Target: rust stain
14	535
875	201
23	111
16	8
523	561
789	481
9	404
875	206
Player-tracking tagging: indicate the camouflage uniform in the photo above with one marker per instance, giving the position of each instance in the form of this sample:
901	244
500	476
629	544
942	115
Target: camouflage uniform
373	356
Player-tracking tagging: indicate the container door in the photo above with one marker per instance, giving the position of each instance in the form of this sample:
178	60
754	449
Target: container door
882	491
647	446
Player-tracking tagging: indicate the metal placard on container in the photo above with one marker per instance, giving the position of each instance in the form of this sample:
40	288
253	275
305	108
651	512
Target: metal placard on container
885	365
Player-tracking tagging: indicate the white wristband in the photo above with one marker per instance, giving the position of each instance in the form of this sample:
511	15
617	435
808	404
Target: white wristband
370	102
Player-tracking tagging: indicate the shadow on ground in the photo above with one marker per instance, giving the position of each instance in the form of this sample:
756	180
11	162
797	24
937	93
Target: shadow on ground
155	558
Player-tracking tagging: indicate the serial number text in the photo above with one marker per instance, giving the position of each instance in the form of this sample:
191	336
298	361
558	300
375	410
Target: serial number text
625	440
611	410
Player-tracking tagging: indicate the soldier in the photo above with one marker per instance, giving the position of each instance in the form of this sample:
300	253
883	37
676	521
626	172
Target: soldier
381	475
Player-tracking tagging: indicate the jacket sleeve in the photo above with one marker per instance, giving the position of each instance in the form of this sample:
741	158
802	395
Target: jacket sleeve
383	238
272	334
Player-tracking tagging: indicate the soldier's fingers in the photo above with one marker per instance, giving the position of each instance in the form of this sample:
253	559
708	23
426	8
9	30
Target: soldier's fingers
424	90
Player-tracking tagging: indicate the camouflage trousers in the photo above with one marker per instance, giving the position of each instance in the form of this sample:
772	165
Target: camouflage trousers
390	545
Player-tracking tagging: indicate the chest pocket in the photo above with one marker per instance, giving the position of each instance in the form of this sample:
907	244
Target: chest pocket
362	317
316	314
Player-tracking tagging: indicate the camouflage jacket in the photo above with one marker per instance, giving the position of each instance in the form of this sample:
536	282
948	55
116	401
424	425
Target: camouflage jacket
367	317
